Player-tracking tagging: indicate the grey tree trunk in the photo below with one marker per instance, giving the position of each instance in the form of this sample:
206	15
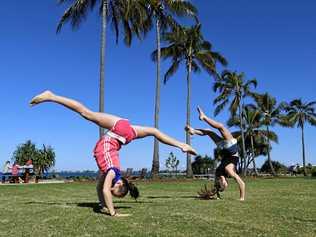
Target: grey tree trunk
102	63
269	157
155	164
188	122
303	151
253	156
244	168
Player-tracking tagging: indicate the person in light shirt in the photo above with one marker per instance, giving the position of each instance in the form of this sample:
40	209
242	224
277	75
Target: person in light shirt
228	151
6	170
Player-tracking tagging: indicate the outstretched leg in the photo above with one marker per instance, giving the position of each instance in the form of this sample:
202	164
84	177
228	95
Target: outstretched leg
221	128
164	138
203	132
101	119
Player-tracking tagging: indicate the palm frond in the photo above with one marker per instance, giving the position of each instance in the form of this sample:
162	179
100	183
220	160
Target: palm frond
220	107
172	70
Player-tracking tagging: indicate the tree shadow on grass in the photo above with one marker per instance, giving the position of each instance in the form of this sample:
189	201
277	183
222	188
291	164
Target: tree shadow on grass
93	205
132	202
167	197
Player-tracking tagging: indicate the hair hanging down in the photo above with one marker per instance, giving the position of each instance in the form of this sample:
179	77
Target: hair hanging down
218	185
131	188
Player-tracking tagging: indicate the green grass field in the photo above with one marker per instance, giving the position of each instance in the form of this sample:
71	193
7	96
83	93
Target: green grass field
274	207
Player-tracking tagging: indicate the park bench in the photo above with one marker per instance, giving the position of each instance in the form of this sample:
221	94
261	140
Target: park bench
204	176
129	174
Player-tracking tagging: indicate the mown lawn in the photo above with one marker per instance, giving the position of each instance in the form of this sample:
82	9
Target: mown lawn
274	207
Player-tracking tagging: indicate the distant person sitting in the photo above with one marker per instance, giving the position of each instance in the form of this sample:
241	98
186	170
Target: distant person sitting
6	170
15	172
27	170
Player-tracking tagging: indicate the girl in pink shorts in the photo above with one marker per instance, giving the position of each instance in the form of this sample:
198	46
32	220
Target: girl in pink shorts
121	132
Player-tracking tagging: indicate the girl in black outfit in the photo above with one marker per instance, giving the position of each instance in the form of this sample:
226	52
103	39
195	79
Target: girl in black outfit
227	146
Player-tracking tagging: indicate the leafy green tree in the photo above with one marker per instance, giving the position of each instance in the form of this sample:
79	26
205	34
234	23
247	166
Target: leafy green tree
24	152
128	15
298	113
186	45
43	159
201	165
172	162
162	12
233	89
272	115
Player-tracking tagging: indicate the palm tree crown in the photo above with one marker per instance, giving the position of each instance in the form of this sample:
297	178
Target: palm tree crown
299	112
164	10
187	45
127	13
231	86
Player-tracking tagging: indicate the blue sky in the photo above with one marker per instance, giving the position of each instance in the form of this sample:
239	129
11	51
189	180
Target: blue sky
272	41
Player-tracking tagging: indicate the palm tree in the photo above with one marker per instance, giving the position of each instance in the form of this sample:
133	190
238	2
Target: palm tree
255	136
231	86
162	11
128	13
186	45
271	113
298	112
46	159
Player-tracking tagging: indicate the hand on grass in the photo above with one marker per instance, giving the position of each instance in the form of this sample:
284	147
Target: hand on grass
120	215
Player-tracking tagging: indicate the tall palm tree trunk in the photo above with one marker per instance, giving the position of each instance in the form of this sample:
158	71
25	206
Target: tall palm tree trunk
155	164
102	62
244	168
188	137
303	151
269	157
253	156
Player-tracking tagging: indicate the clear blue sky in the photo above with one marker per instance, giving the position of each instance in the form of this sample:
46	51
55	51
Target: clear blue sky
273	41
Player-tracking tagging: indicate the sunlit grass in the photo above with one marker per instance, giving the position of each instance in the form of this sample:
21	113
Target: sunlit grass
274	207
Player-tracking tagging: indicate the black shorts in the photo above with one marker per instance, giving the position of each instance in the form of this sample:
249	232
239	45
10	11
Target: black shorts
220	170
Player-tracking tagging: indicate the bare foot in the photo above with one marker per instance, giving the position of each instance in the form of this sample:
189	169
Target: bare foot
41	98
189	129
202	116
188	149
242	199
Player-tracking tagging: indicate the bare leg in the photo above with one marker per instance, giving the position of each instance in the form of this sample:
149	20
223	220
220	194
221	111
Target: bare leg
99	187
149	131
221	128
101	119
223	182
203	132
230	169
